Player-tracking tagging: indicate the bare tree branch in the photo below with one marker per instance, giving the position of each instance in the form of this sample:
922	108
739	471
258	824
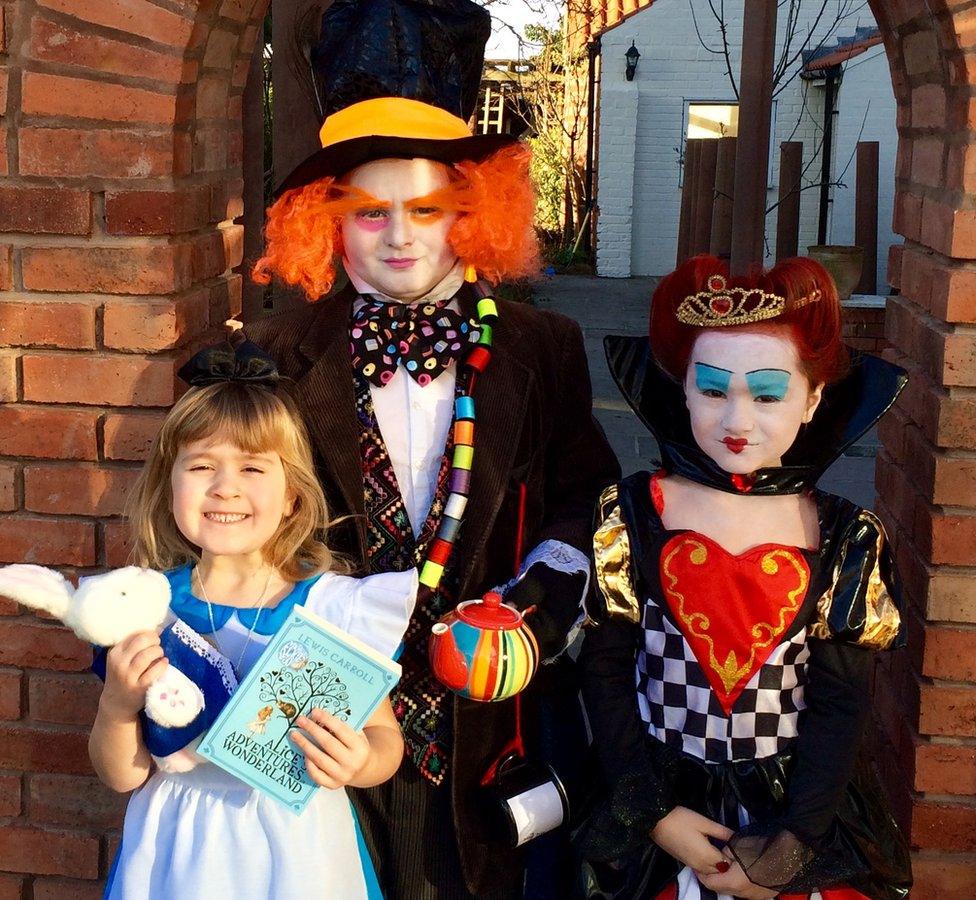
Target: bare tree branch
780	86
719	16
839	181
806	187
860	134
788	65
694	20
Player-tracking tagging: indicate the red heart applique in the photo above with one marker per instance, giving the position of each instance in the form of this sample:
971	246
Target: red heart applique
732	609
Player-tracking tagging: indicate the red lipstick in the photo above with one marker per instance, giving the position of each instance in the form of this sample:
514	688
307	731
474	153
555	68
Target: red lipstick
735	445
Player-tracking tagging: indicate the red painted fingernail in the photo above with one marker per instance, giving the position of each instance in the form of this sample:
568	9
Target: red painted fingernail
723	867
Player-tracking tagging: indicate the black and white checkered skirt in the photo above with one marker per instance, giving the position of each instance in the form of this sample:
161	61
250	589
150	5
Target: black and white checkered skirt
680	709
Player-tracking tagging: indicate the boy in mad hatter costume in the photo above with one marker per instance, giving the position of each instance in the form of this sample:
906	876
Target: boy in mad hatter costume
388	373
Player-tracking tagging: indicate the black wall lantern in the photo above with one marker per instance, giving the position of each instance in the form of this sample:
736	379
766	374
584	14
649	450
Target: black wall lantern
633	54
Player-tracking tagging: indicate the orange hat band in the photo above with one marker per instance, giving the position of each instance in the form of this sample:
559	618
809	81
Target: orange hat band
392	117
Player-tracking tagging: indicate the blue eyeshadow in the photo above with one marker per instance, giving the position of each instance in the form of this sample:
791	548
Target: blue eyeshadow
768	383
708	378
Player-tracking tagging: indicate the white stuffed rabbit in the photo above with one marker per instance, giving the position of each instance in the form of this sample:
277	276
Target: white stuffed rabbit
104	610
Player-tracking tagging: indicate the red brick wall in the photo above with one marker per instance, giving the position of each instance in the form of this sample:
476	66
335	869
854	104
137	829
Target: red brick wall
926	474
863	328
120	141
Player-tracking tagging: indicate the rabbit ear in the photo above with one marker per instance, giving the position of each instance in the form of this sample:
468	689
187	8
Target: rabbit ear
37	588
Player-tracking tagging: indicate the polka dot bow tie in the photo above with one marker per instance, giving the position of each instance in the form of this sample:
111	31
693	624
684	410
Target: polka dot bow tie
426	338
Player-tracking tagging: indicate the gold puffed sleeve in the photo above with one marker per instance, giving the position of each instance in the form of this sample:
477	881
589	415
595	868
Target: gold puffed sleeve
617	600
862	604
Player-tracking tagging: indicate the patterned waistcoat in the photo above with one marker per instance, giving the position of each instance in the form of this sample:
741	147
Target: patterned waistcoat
421	704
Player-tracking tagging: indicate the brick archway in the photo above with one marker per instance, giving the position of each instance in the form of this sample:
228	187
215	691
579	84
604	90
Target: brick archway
121	151
926	475
121	147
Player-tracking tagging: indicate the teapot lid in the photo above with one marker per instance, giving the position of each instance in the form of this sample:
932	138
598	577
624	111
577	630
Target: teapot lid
489	612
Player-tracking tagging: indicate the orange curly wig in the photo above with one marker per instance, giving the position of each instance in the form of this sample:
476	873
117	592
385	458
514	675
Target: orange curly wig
493	232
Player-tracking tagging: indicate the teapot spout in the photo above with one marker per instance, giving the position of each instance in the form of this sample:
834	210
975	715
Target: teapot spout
446	659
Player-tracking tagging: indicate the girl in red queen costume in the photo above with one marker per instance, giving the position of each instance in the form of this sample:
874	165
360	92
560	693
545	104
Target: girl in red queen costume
727	678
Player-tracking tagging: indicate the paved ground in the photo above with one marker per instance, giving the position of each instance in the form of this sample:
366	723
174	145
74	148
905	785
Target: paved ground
619	306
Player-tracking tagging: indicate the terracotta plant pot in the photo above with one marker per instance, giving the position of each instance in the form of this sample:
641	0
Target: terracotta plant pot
844	263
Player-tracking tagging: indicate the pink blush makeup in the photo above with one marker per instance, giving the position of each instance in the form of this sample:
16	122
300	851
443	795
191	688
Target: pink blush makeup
370	225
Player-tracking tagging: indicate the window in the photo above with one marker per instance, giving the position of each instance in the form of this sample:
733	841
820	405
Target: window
712	120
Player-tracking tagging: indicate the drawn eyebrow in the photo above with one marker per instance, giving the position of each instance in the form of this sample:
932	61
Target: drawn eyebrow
371	203
715	368
710	378
772	382
449	199
358	196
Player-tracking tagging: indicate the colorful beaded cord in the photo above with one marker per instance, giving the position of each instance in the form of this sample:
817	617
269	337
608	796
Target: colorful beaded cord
464	418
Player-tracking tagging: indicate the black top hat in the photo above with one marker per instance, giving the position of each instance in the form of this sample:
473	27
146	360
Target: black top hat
397	78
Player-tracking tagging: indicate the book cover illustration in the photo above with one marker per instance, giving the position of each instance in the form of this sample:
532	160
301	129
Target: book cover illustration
308	664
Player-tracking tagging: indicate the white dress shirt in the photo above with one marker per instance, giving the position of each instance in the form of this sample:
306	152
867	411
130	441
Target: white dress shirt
414	422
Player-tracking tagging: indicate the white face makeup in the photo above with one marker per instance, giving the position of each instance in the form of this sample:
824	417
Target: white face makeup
747	397
399	247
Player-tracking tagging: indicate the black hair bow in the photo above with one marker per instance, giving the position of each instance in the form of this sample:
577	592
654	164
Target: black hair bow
246	363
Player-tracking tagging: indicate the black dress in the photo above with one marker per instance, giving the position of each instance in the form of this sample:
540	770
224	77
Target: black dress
739	686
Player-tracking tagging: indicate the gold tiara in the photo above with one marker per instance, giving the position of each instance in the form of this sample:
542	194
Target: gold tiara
722	305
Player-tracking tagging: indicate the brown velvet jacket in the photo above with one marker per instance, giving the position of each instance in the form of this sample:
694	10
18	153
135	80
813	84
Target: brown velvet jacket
534	426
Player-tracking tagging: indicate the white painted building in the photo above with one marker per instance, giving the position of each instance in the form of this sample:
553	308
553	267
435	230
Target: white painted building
642	126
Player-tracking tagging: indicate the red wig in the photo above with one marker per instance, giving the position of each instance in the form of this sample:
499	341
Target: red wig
493	232
814	328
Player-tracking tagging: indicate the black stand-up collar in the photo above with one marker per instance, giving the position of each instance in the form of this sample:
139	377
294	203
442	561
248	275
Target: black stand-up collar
848	409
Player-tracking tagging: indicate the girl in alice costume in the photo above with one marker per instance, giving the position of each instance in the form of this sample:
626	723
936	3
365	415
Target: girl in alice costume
728	680
229	504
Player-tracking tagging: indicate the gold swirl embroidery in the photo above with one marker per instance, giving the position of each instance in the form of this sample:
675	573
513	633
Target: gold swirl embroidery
730	672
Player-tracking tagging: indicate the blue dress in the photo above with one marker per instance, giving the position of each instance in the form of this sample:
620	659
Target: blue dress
193	830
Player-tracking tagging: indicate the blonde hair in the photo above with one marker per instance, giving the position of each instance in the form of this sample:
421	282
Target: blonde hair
256	420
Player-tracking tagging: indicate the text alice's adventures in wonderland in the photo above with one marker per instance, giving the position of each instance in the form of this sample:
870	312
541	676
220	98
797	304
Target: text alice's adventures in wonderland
308	664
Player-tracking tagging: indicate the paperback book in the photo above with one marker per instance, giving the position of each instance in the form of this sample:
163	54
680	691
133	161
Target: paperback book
308	664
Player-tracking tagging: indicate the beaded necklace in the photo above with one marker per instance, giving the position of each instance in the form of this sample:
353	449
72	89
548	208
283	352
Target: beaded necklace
476	362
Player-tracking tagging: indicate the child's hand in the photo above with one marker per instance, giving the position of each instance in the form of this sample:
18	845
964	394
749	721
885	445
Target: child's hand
736	882
684	834
130	667
334	752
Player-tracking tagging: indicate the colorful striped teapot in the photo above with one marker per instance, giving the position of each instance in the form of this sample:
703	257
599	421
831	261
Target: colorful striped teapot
484	650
